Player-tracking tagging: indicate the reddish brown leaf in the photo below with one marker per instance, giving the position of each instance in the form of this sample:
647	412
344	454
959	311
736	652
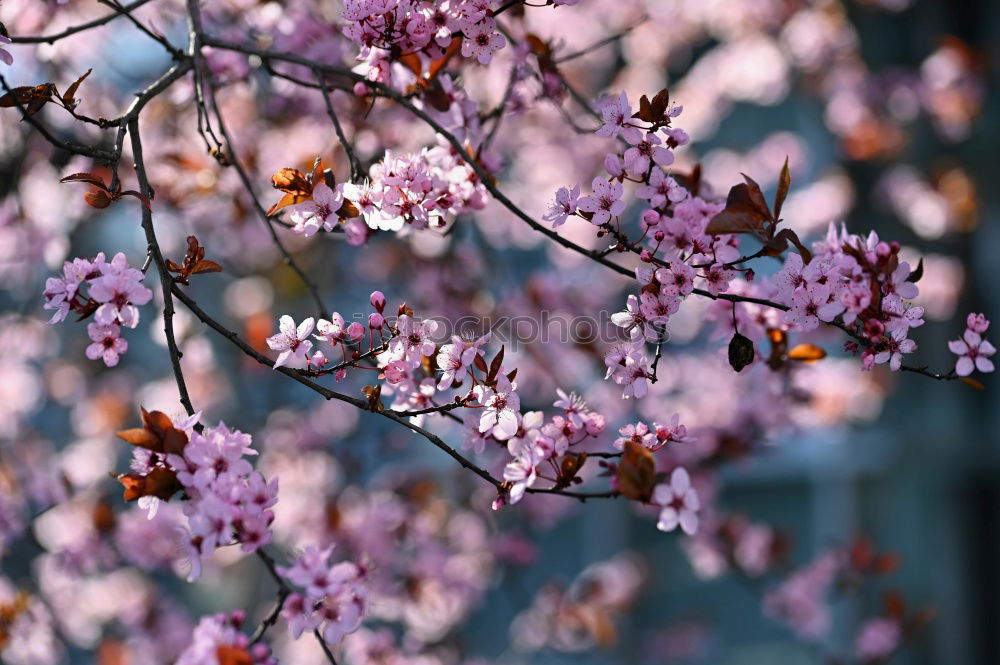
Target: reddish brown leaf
495	365
70	94
89	178
436	66
807	352
206	266
98	198
784	184
227	654
32	98
139	436
374	395
160	482
292	181
745	211
287	200
538	46
142	197
636	475
969	381
792	237
348	210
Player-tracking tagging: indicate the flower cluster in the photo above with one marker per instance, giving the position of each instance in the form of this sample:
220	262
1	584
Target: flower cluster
386	28
972	349
228	502
293	344
113	292
538	443
417	190
217	640
227	498
333	599
800	601
653	438
859	281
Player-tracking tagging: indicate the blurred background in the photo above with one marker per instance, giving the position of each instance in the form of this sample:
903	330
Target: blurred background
888	113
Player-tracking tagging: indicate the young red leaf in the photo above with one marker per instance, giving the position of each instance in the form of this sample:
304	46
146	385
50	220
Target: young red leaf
745	211
88	178
806	352
69	97
784	184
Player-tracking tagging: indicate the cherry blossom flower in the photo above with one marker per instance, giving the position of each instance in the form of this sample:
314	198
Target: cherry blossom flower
318	213
661	188
455	358
679	503
616	114
564	205
218	639
334	599
119	289
648	149
605	202
292	342
336	331
522	472
878	639
638	433
892	348
573	406
633	374
973	352
414	339
107	343
502	405
806	304
481	41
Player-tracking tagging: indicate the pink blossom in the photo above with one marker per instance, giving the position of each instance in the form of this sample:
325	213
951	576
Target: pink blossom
482	40
502	405
292	342
336	331
605	202
878	639
973	353
892	348
661	188
679	503
617	114
5	55
107	343
645	151
320	212
564	205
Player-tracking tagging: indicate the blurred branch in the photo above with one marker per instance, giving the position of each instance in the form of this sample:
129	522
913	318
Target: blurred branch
83	27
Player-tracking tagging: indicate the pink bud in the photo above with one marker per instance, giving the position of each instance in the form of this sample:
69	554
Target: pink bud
377	300
646	256
375	321
613	165
650	218
361	90
340	374
659	236
356	331
977	323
